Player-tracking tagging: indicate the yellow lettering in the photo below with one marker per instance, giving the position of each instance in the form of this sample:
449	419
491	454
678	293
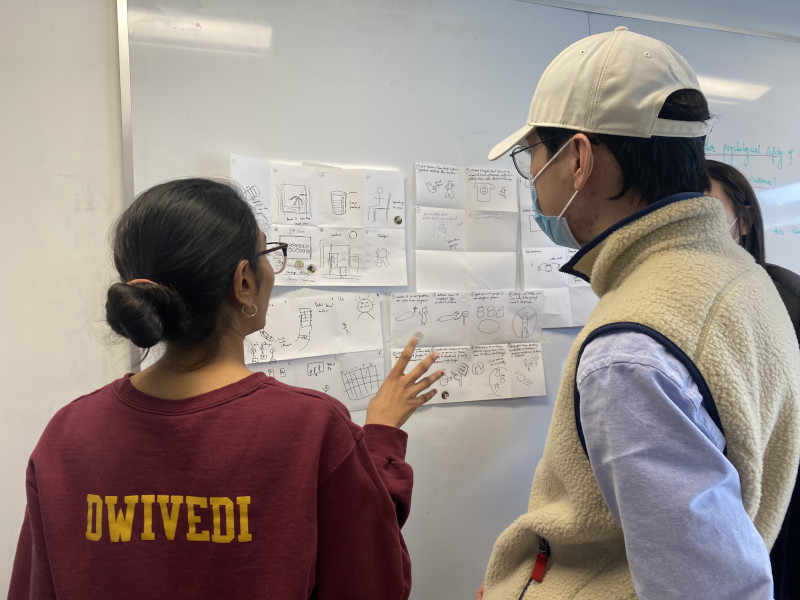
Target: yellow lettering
193	535
95	504
217	536
147	526
119	527
170	518
244	526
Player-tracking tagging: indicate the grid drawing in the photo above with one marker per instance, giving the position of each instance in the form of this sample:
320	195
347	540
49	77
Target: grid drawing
361	382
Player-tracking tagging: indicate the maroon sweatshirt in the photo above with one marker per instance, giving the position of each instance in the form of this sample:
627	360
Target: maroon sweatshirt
255	490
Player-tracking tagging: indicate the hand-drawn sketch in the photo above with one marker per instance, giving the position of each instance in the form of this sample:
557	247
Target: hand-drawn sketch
264	347
460	374
365	306
382	204
549	267
497	381
433	187
522	378
251	192
338	202
382	255
304	332
421	313
488	318
483	192
457	314
339	260
361	382
407	315
477	368
294	199
524	324
299	246
315	368
346	330
448	189
439	229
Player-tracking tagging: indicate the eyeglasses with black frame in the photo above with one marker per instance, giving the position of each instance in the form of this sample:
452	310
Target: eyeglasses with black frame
521	155
277	260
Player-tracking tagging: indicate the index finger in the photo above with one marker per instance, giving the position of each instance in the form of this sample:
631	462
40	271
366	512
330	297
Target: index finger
402	362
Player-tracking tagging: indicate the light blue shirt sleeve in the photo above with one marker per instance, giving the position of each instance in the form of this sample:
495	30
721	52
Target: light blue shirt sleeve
658	459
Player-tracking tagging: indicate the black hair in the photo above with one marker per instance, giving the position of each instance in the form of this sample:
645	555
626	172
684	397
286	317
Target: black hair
741	193
187	237
654	167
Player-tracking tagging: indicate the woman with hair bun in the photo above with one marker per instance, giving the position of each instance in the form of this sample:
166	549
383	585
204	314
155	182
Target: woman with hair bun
197	478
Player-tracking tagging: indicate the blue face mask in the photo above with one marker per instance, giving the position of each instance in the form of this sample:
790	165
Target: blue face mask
555	227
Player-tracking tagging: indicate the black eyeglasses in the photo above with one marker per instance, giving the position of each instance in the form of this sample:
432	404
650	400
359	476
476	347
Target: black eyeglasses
521	155
278	261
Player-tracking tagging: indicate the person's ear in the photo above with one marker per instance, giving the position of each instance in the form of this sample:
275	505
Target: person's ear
244	285
583	160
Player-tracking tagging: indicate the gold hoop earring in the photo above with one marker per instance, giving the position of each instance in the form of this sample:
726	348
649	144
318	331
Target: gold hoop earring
255	311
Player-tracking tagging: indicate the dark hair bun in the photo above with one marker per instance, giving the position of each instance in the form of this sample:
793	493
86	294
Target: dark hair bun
143	312
187	236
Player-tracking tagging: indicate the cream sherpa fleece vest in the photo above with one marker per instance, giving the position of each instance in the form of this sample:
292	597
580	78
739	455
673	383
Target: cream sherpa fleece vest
673	268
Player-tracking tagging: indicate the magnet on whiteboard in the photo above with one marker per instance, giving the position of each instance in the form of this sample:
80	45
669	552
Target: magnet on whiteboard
311	268
445	395
398	220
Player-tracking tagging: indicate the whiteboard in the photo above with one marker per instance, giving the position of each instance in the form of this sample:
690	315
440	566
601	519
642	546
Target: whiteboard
381	85
752	92
385	84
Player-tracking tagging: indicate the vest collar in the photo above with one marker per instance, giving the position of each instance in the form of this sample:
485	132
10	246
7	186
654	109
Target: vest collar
622	235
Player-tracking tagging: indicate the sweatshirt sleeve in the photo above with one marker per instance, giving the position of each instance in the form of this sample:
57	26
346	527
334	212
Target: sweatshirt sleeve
387	447
30	575
361	554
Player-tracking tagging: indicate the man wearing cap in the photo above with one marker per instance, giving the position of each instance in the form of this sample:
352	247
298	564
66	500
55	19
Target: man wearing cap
675	435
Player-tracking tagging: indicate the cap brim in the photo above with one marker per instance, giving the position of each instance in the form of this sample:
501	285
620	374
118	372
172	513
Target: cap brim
511	141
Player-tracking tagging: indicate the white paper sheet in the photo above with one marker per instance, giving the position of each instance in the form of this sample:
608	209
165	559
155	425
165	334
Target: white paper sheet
385	256
486	372
457	271
344	227
492	231
440	186
384	200
252	176
491	189
340	197
569	299
295	195
312	325
472	211
442	229
467	318
351	378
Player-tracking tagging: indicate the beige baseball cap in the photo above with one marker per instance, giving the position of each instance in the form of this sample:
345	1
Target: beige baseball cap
613	83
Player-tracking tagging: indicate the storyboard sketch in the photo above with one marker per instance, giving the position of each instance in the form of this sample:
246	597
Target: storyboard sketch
568	300
466	228
300	326
343	227
488	338
352	378
490	372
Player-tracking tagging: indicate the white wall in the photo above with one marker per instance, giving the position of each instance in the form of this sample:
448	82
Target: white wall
60	188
